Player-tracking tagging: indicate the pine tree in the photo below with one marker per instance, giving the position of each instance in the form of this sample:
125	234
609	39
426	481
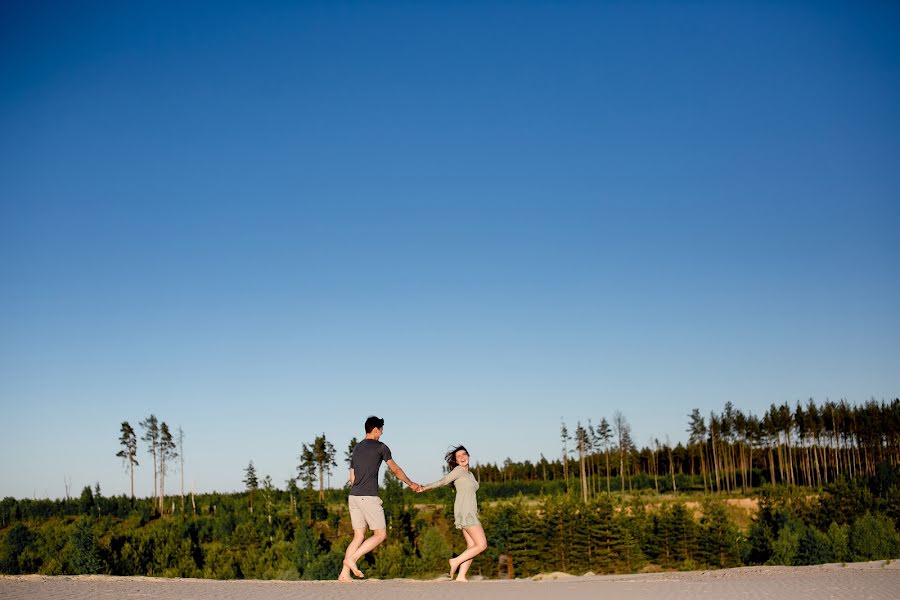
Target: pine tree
623	432
604	537
128	453
604	433
578	538
348	455
86	554
151	436
323	453
526	545
251	482
696	440
719	538
307	468
564	438
167	452
581	442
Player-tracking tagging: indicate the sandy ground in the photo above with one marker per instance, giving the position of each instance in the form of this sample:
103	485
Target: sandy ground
859	581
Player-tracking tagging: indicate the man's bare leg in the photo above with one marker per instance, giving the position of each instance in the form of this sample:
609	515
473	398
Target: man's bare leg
378	536
350	564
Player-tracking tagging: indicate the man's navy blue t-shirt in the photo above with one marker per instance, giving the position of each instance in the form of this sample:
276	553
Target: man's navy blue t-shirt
366	462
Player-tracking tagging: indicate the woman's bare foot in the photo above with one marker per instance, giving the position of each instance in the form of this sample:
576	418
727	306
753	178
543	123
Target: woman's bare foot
453	567
461	578
352	566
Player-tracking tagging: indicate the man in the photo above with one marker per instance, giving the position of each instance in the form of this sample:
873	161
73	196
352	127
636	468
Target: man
365	505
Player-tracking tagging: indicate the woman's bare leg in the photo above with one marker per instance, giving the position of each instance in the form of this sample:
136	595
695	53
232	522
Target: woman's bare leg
464	568
477	534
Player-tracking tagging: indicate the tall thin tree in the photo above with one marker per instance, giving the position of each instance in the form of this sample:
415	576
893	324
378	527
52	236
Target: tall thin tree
151	435
564	438
605	434
251	482
181	466
623	433
581	443
348	454
167	452
306	470
696	439
128	453
324	453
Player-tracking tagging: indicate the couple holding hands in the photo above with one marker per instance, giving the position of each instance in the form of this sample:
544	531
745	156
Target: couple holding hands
366	509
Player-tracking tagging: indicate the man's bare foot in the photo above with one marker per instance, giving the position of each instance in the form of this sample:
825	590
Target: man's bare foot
352	566
461	579
453	567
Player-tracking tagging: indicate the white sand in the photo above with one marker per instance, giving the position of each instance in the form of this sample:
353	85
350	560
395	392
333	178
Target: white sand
856	581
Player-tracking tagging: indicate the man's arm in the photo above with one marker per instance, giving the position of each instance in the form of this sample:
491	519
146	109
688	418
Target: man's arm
399	474
352	476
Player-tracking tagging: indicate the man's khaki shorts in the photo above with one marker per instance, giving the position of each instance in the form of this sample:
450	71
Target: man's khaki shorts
366	510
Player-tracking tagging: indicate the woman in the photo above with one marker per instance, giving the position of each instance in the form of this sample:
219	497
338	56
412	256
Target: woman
465	509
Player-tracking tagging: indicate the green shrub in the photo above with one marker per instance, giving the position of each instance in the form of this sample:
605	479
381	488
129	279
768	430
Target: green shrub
838	537
721	543
787	544
434	550
17	540
815	548
390	561
86	559
324	567
873	537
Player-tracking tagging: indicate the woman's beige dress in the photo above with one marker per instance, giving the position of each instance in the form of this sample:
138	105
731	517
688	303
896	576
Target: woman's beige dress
465	508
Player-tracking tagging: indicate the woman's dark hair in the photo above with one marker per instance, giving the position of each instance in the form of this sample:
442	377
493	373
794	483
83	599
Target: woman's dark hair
450	457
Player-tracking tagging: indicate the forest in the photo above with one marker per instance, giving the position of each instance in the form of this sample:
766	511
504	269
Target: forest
824	481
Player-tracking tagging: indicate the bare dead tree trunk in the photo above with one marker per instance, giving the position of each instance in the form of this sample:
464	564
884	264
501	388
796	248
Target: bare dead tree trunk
181	458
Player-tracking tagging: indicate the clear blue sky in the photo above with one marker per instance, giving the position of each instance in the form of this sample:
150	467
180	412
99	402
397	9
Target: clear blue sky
265	221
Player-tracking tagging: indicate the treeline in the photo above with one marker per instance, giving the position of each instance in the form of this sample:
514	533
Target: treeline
846	522
292	534
548	515
317	460
808	445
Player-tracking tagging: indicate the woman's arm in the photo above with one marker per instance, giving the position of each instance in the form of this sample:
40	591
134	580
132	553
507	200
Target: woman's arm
446	479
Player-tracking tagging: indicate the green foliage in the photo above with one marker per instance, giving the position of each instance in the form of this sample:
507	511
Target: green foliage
304	548
434	551
839	542
296	534
843	501
87	501
219	563
815	548
18	539
676	535
874	537
721	543
605	536
325	566
512	529
786	545
391	561
86	556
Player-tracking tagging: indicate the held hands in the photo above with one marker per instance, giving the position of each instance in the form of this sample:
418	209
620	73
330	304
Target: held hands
418	488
